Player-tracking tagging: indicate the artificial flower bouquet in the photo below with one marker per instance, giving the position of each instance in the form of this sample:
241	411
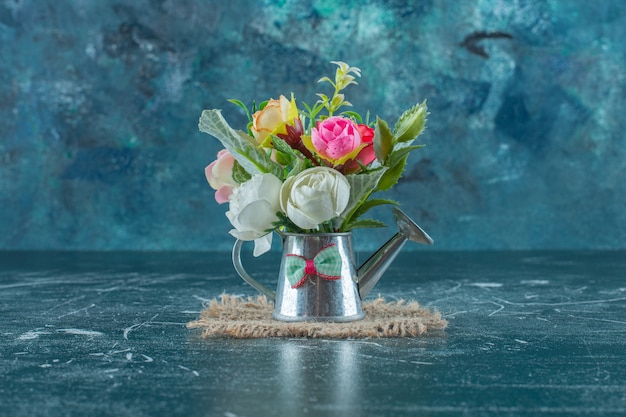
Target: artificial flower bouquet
309	169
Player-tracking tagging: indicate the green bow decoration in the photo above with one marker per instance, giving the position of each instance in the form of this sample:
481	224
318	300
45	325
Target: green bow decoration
326	264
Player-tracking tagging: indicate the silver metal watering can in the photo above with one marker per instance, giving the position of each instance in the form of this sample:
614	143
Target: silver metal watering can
318	279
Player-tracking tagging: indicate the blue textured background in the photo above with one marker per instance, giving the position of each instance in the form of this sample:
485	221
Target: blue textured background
99	102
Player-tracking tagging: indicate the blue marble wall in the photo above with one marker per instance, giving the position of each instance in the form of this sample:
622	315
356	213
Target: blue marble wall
99	102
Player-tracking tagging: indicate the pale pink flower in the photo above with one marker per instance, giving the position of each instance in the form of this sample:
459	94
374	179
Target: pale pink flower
219	174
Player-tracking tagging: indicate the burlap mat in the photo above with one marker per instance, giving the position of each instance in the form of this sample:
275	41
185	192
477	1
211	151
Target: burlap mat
232	316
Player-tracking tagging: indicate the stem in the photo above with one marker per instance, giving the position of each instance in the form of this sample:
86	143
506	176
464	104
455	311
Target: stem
330	108
260	167
348	219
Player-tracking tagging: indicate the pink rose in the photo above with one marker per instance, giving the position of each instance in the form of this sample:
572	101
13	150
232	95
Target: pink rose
366	155
336	138
367	133
219	174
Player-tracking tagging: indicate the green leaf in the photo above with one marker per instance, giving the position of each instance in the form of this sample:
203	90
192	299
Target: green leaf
383	140
337	101
282	158
411	124
326	79
367	118
284	154
361	186
240	104
299	165
356	116
345	81
285	222
323	97
369	204
365	223
243	148
363	208
311	115
282	146
399	153
240	175
393	174
294	161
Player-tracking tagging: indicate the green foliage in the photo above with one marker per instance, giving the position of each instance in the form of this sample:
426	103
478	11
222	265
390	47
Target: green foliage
371	203
401	153
299	165
383	140
392	175
411	123
343	78
240	175
392	151
292	160
354	115
282	147
396	163
284	223
354	221
240	145
311	115
361	186
366	223
240	104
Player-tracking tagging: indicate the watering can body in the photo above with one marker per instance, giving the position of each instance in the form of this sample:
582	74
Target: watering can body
319	297
318	278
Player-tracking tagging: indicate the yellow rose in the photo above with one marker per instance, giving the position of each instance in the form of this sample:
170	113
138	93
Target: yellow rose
273	119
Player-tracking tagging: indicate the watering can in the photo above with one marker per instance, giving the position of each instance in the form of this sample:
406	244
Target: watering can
318	279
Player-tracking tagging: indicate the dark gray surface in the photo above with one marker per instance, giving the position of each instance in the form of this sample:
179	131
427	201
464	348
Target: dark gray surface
530	333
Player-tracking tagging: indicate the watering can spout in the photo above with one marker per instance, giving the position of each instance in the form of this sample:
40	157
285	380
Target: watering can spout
373	269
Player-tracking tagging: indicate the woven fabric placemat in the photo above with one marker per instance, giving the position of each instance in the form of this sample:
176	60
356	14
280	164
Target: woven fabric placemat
236	317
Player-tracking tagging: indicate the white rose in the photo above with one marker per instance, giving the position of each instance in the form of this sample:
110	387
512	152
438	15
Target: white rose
314	196
252	210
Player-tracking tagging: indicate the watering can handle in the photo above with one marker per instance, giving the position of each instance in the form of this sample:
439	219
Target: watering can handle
244	274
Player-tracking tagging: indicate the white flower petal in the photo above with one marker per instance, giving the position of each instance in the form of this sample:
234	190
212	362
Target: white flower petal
285	192
257	216
246	235
314	196
300	219
253	205
262	244
321	209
